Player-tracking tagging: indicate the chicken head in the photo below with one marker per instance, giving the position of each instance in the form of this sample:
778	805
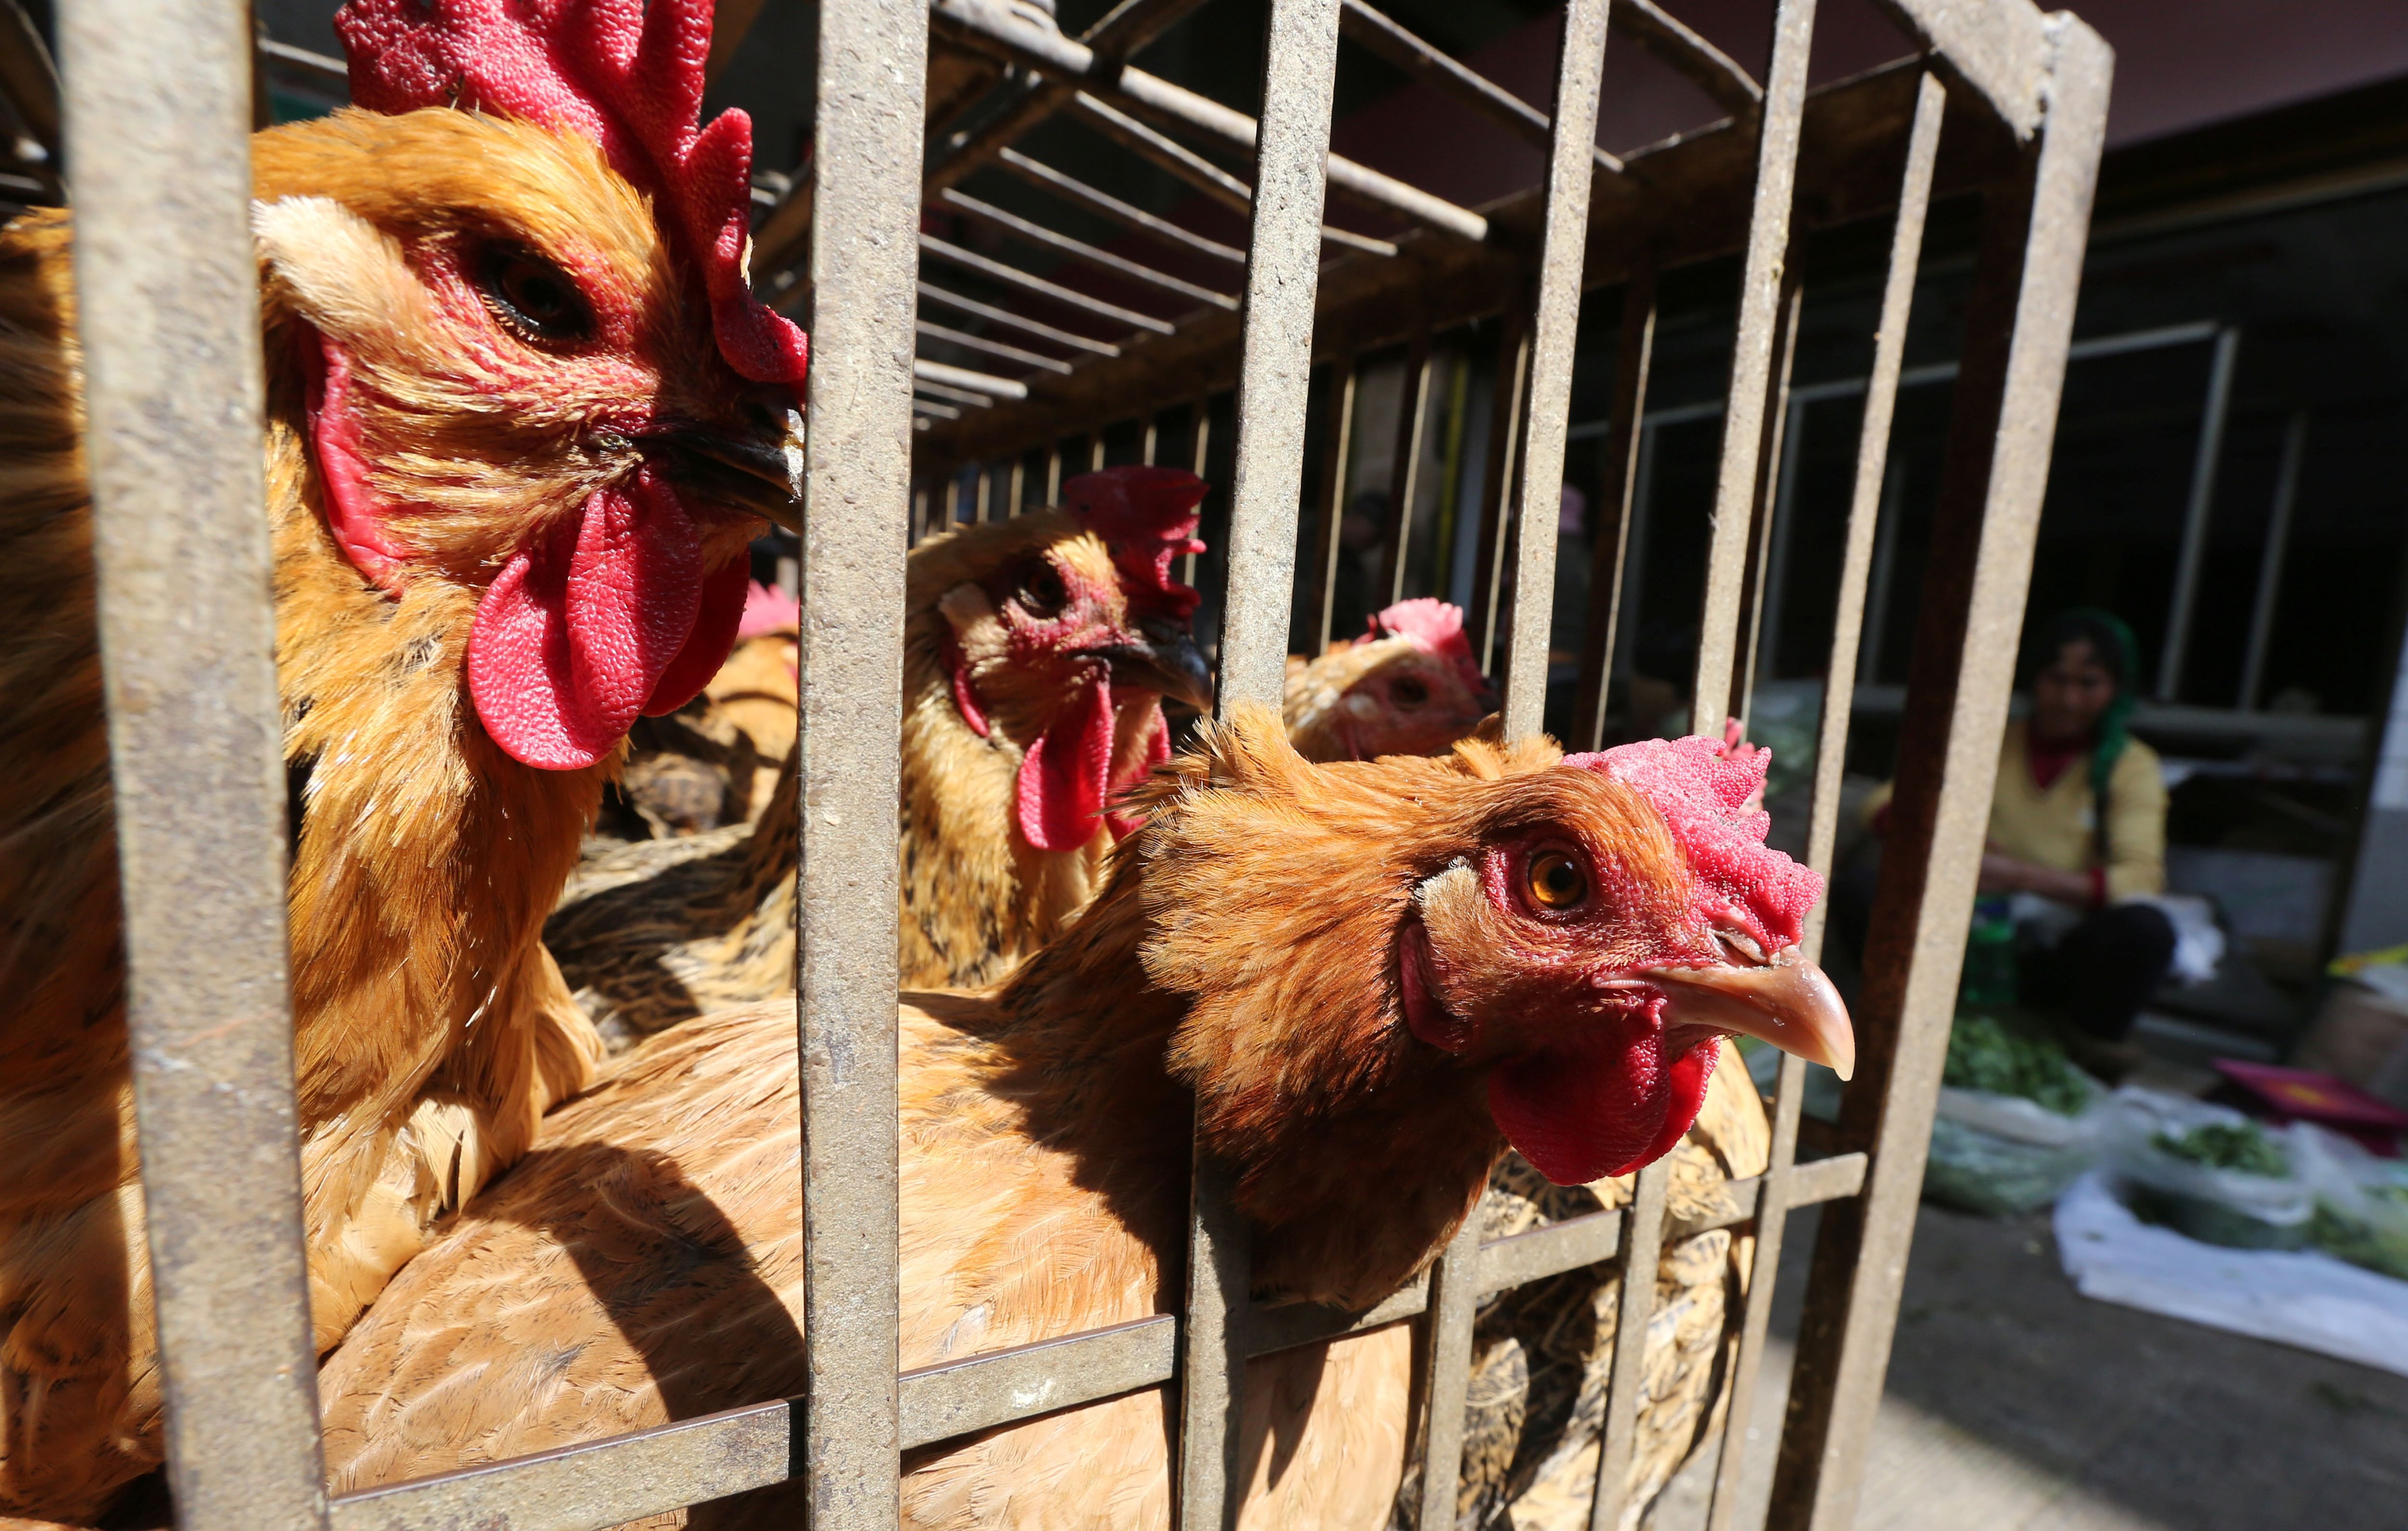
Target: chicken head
1611	927
1066	633
1408	686
535	386
1393	969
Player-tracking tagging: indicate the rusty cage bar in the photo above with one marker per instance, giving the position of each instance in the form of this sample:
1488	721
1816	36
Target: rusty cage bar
157	103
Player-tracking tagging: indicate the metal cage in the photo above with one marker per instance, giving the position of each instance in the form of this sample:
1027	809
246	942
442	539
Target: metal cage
158	105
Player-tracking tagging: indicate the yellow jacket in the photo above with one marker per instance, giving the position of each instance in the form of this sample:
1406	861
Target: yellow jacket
2059	827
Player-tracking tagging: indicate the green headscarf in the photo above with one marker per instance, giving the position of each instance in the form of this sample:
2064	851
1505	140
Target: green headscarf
2111	640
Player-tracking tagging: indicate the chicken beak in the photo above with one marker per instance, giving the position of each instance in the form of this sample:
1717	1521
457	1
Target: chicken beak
1167	662
1788	1004
760	471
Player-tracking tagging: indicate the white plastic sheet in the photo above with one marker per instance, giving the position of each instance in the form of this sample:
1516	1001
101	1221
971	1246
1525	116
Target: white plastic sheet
2307	1300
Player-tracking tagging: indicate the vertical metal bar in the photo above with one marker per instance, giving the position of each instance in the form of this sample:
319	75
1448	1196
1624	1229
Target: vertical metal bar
1631	591
2018	326
158	105
1555	329
1869	654
2198	512
952	499
1404	474
2269	564
1838	690
1153	427
1504	437
1766	501
1274	371
1634	353
1053	475
1019	500
1643	1244
1095	451
864	264
1453	1308
1772	602
1202	444
1760	306
919	515
1336	443
985	493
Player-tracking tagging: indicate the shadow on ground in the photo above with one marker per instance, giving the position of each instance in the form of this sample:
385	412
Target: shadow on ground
2016	1405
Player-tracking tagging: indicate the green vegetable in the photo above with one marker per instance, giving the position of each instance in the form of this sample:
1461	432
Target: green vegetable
2359	1242
2243	1150
1983	1054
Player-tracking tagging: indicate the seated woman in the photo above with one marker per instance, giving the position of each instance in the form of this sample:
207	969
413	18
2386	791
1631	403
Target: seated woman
2077	833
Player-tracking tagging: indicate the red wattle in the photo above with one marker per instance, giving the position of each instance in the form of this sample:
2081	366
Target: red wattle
724	600
1064	775
572	639
1157	749
1581	1113
354	515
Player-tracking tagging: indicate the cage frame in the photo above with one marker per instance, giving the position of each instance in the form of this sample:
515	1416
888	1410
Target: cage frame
158	107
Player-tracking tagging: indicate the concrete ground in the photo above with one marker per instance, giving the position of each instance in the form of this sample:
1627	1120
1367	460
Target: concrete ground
2015	1404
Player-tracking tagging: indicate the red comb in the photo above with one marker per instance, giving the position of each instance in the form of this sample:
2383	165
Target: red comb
1147	517
1436	626
1702	787
623	73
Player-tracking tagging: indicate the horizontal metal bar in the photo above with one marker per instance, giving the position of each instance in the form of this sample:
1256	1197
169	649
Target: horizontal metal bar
931	408
956	1397
1827	1179
1038	234
1271	1329
952	395
1133	24
590	1486
925	370
1013	276
1038	173
1020	322
996	24
994	348
1548	1252
1169	155
1674	42
1441	70
301	58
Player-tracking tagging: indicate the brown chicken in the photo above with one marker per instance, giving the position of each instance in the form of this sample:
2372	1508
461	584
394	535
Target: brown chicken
1369	978
1036	655
1408	686
521	414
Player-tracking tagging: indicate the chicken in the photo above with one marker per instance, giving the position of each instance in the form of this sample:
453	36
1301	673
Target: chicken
522	416
1543	1354
1370	978
1408	686
1036	655
713	763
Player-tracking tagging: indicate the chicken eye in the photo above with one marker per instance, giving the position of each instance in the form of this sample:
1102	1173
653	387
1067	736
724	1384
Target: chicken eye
532	296
1042	593
1405	691
1556	880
